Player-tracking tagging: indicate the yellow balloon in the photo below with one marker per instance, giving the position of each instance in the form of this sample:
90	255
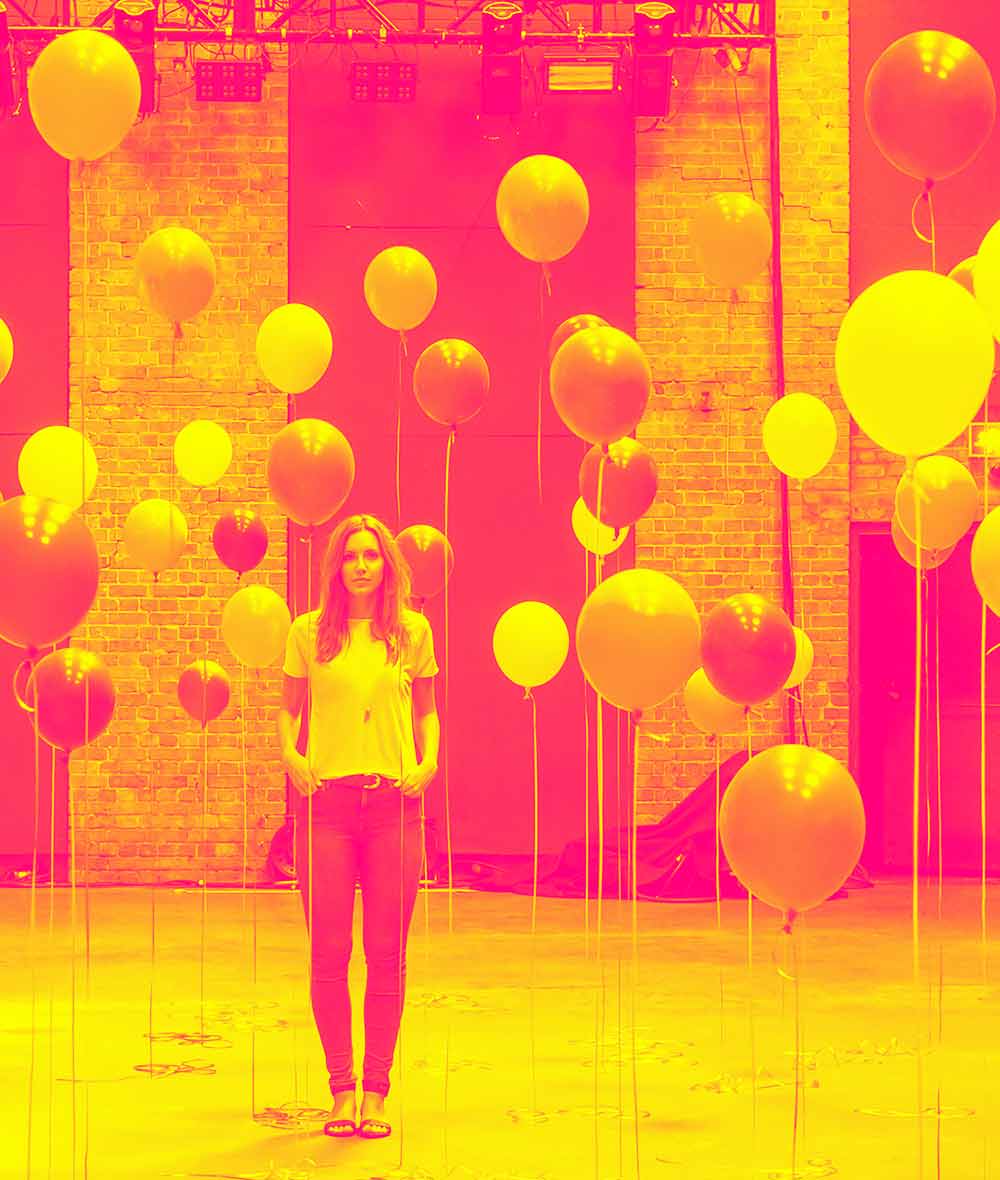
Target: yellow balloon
638	638
176	272
803	659
710	711
542	207
964	273
83	92
255	624
6	350
947	497
400	287
929	558
914	359
202	452
732	239
800	435
985	560
596	537
530	643
294	347
986	276
155	534
58	463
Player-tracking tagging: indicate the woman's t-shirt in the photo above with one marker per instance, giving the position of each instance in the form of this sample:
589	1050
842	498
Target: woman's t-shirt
360	705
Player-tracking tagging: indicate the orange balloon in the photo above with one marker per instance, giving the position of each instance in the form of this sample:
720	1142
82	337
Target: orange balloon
627	485
792	826
542	207
929	558
748	648
930	104
176	272
600	382
203	690
963	272
732	239
947	497
575	323
48	576
429	555
450	381
74	696
310	470
637	638
400	287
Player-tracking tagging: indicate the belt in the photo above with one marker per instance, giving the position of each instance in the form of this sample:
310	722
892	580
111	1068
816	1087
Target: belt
367	781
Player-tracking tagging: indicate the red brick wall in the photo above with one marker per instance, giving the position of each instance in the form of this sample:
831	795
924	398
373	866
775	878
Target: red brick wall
715	524
222	171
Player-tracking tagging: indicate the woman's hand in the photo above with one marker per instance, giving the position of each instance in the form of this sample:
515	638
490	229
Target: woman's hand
415	783
304	778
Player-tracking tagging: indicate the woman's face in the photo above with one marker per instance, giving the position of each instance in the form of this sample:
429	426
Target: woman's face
363	566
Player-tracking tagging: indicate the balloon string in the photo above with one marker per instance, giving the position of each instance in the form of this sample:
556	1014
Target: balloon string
542	358
204	857
634	867
799	1094
32	914
529	696
750	995
399	425
447	681
931	239
718	888
586	782
49	943
983	929
915	892
310	754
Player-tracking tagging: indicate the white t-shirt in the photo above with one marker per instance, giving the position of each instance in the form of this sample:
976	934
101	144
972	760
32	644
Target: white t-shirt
361	706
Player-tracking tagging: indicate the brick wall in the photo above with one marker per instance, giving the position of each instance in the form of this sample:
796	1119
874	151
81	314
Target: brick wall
715	524
220	170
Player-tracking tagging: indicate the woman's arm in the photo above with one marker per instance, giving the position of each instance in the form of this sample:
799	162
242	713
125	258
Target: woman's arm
293	695
427	731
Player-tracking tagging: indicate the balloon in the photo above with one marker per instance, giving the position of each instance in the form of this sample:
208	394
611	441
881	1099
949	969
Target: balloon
731	234
203	690
930	104
748	648
600	382
985	559
83	92
542	207
929	558
202	452
792	826
294	347
963	273
599	539
400	287
240	539
58	463
627	485
310	470
948	501
255	624
155	534
637	638
450	381
803	659
176	272
429	555
6	350
48	575
575	323
709	709
914	359
800	435
986	277
530	643
74	696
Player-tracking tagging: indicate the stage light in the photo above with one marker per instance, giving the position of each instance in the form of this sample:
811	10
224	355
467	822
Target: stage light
135	26
228	80
501	76
653	32
581	75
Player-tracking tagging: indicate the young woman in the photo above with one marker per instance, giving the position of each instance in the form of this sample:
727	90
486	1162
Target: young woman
366	664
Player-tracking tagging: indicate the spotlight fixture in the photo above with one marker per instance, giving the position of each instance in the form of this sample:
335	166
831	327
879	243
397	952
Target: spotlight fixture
653	41
501	78
134	27
228	79
581	75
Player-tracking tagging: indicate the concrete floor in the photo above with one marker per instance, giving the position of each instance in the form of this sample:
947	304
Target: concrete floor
497	1077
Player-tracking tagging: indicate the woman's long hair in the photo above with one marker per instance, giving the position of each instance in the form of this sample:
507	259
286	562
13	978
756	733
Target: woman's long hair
332	632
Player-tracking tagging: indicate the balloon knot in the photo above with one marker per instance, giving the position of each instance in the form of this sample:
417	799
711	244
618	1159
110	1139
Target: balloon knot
527	693
178	331
790	916
636	717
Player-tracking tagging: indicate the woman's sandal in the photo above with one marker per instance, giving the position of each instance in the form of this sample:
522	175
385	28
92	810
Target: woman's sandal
340	1128
374	1129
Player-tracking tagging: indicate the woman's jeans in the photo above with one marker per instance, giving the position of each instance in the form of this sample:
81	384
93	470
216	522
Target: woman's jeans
372	835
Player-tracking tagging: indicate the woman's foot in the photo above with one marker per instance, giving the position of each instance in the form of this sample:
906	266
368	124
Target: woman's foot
341	1124
373	1124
